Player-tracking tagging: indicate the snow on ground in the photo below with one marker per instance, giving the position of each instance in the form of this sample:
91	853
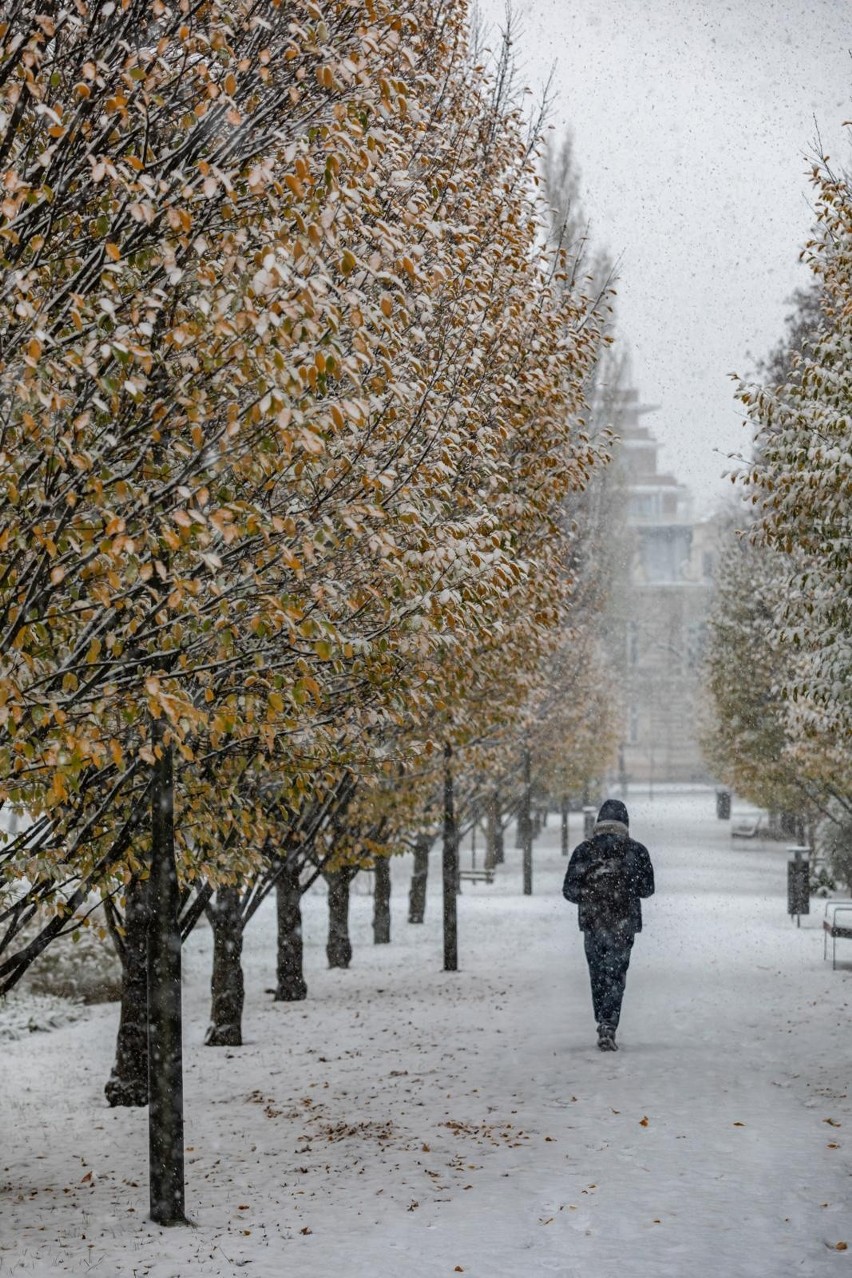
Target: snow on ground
404	1121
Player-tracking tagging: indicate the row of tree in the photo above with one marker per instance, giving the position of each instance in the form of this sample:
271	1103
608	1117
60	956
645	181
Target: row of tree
297	377
780	658
293	397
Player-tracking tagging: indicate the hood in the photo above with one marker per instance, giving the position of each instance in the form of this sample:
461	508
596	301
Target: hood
613	810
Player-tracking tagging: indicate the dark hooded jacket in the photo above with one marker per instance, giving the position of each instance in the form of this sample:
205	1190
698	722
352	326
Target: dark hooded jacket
609	837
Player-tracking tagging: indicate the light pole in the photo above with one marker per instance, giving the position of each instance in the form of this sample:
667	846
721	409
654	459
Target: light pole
527	829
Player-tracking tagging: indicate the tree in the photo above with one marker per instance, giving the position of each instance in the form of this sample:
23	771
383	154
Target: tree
745	738
801	485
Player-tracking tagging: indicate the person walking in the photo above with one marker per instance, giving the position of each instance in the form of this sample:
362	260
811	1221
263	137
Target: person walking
606	877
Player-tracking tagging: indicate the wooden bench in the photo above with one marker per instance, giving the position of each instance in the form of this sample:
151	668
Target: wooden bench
837	930
477	876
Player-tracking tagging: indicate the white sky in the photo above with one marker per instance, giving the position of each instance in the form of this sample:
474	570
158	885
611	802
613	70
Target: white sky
692	123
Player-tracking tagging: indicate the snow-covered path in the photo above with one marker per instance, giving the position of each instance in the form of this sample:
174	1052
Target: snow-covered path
404	1121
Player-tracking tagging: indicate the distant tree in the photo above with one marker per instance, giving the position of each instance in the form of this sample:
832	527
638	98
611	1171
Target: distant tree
801	329
745	737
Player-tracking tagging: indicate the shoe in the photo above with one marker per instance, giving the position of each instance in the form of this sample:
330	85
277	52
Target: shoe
606	1038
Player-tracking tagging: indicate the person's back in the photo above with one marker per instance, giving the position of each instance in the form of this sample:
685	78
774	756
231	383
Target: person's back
607	876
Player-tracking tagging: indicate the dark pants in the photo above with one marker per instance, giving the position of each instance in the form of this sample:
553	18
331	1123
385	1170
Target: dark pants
608	955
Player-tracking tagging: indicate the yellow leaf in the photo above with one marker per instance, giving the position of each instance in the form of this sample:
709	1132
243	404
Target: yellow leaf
113	251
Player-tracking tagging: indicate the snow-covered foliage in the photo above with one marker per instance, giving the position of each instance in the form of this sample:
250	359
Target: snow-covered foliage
23	1013
801	484
834	841
780	655
81	967
745	735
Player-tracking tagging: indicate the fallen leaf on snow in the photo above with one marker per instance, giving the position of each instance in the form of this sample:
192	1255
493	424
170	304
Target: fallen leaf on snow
841	1246
739	1124
643	1122
832	1122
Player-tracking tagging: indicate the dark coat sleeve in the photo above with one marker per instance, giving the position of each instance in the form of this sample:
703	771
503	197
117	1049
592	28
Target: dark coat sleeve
642	875
578	866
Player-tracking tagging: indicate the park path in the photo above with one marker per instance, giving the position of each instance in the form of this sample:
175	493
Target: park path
404	1121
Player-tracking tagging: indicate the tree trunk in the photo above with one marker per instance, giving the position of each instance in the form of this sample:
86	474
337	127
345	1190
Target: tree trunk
789	825
227	987
382	902
492	825
128	1082
419	879
565	825
525	826
291	986
450	868
165	1062
339	947
499	843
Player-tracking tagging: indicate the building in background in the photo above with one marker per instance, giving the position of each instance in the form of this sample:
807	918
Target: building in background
659	613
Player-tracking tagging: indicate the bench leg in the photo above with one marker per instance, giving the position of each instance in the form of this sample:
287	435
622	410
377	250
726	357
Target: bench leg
834	954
